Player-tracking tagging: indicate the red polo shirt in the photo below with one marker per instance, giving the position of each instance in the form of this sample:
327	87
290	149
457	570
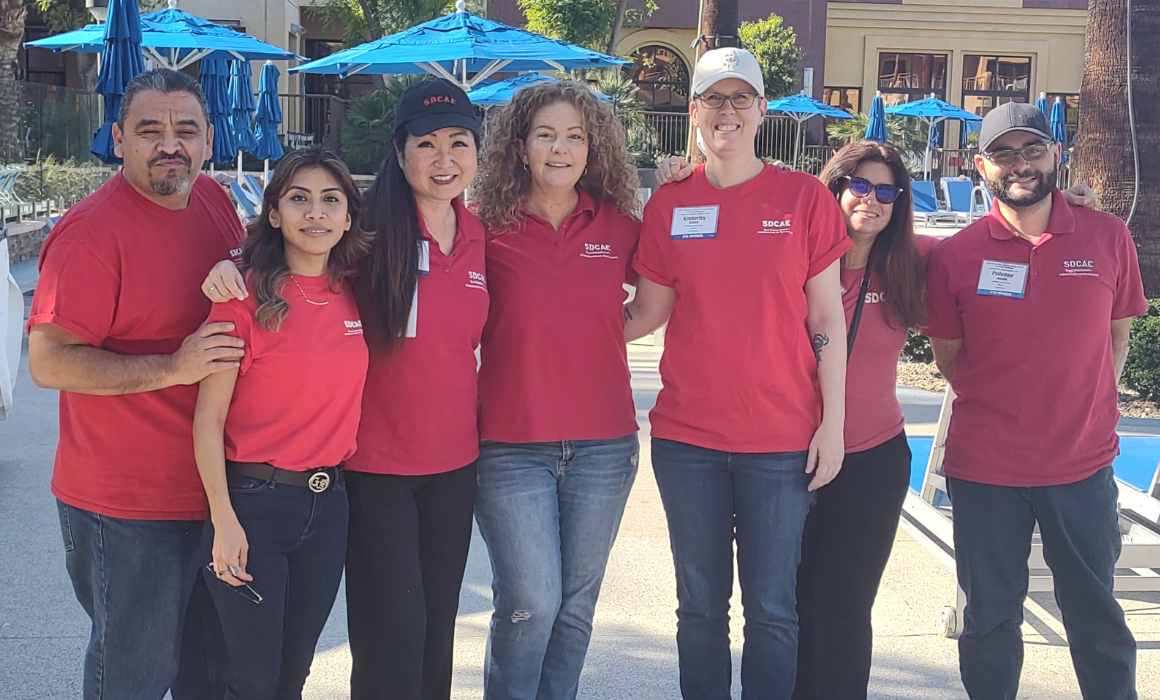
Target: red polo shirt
297	400
124	275
1035	378
419	404
738	369
873	414
555	365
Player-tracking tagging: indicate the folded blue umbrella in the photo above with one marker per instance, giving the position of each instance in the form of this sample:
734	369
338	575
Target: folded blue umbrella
269	115
215	82
241	88
121	60
876	129
1059	125
1041	103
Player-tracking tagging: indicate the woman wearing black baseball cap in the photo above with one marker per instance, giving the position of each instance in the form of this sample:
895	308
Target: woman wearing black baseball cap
422	295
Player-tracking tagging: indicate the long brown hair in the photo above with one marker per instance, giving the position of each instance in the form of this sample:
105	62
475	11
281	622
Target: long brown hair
894	257
503	183
264	251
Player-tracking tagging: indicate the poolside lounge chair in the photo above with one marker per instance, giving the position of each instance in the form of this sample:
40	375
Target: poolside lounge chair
253	188
926	208
959	195
243	202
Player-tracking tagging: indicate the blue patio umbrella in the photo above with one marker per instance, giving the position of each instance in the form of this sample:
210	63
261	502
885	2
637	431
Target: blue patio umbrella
800	108
1041	103
932	111
215	82
173	39
268	118
876	128
501	92
1059	126
456	46
120	60
241	87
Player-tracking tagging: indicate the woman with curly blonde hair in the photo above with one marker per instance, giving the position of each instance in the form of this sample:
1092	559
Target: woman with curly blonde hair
558	450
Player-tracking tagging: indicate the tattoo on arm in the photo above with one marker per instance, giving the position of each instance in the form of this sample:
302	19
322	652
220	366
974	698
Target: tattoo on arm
820	341
627	315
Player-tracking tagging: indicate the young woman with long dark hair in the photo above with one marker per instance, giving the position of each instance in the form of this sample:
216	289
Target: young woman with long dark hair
271	437
422	292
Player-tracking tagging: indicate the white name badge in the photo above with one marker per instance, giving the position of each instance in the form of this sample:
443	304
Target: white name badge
695	222
424	269
1003	279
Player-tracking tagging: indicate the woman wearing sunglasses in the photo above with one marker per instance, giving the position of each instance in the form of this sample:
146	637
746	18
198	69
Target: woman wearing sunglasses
850	530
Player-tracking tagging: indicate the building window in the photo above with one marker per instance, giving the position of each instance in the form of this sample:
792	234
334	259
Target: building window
347	88
906	77
662	79
989	81
1071	107
847	98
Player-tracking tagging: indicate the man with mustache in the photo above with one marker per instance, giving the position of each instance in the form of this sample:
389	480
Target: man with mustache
1030	310
117	326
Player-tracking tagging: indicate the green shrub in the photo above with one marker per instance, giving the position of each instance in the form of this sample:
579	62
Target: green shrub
1142	370
917	349
369	128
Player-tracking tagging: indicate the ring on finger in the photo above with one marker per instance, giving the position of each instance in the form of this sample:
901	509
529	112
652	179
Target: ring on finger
223	572
213	288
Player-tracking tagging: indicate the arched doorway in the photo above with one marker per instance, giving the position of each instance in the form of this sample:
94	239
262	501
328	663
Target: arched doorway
661	77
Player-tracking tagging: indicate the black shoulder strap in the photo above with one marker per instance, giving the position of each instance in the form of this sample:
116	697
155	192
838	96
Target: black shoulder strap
853	332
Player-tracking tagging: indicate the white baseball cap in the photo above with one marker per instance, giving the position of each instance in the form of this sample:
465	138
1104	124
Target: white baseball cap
728	62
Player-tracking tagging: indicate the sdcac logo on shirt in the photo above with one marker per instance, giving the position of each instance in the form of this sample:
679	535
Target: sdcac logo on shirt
236	255
476	280
776	226
353	327
1079	268
598	250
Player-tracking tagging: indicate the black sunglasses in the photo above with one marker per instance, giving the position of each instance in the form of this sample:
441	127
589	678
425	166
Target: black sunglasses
244	590
861	187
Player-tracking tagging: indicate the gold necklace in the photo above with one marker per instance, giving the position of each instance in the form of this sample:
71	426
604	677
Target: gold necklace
308	301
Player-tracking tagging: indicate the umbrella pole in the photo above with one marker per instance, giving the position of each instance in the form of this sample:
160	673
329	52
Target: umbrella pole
239	167
266	172
797	144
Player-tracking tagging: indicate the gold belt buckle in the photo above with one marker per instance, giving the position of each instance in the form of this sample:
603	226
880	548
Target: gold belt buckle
319	481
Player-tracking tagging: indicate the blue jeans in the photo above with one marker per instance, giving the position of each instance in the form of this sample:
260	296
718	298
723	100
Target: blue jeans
1081	542
549	513
297	542
712	498
133	578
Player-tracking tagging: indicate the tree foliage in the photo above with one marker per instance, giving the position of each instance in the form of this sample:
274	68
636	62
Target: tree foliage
366	20
906	135
774	43
369	128
639	135
588	23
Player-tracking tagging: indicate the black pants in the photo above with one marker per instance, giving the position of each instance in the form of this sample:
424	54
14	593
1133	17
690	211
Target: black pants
406	553
848	537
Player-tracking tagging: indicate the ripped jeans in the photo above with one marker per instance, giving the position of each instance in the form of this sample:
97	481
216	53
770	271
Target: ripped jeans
549	513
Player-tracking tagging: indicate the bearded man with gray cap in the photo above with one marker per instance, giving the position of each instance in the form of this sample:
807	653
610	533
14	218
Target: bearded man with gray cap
1029	313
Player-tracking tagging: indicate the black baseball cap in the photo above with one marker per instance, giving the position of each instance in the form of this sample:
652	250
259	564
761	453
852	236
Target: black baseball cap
432	105
1013	116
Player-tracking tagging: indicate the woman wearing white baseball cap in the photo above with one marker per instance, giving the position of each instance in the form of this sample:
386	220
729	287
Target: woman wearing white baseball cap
741	259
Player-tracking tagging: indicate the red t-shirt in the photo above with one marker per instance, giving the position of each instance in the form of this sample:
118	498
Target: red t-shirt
555	365
419	405
1035	381
873	414
738	370
124	275
298	397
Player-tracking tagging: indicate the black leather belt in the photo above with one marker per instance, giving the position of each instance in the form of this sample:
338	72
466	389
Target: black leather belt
317	480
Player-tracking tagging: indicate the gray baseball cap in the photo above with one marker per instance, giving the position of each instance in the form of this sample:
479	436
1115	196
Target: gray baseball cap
1013	116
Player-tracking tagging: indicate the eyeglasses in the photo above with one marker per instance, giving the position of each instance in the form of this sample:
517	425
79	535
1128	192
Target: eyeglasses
861	187
1007	156
739	100
244	590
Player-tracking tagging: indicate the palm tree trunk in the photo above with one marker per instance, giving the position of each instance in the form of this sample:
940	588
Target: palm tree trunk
376	30
1104	154
617	27
12	14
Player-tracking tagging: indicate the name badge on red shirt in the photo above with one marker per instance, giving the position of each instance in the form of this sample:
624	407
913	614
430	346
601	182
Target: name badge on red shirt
694	222
1003	279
